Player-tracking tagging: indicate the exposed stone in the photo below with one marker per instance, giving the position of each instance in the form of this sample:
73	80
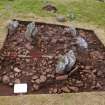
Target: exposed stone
12	76
99	73
61	40
34	77
28	46
81	42
65	89
98	85
31	31
79	83
72	31
5	79
36	87
37	81
48	70
55	90
50	90
88	67
12	26
62	77
66	62
17	70
33	81
54	41
74	89
17	81
42	78
11	84
50	75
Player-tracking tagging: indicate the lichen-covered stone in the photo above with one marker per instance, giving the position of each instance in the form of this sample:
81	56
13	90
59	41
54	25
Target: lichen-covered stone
31	31
5	79
81	42
66	62
12	26
72	31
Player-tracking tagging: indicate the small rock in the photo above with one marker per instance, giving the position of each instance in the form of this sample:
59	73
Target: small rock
35	77
36	87
32	81
74	89
48	70
28	46
99	73
50	75
82	66
55	90
50	90
62	77
61	40
37	81
17	81
81	42
79	83
61	18
54	41
12	76
12	26
11	84
88	67
42	78
98	85
65	89
65	62
27	60
16	69
5	79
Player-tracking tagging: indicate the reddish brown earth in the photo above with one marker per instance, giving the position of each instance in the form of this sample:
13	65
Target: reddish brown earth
39	71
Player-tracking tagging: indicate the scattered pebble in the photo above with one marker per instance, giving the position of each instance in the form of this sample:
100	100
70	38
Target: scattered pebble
5	79
62	77
65	89
17	81
34	77
17	70
74	89
43	78
36	87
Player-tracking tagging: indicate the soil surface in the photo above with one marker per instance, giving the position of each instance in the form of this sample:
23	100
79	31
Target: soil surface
34	63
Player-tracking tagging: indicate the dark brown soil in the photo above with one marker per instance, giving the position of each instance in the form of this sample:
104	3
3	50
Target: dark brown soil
39	71
50	7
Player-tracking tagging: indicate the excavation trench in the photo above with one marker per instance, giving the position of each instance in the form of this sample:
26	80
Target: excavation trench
35	63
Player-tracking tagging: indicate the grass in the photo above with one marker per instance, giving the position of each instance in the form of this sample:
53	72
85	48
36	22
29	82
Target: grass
88	11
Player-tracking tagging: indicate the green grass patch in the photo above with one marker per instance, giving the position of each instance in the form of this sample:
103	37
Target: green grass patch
88	11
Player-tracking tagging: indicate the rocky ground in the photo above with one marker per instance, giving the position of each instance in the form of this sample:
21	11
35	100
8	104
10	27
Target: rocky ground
35	63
